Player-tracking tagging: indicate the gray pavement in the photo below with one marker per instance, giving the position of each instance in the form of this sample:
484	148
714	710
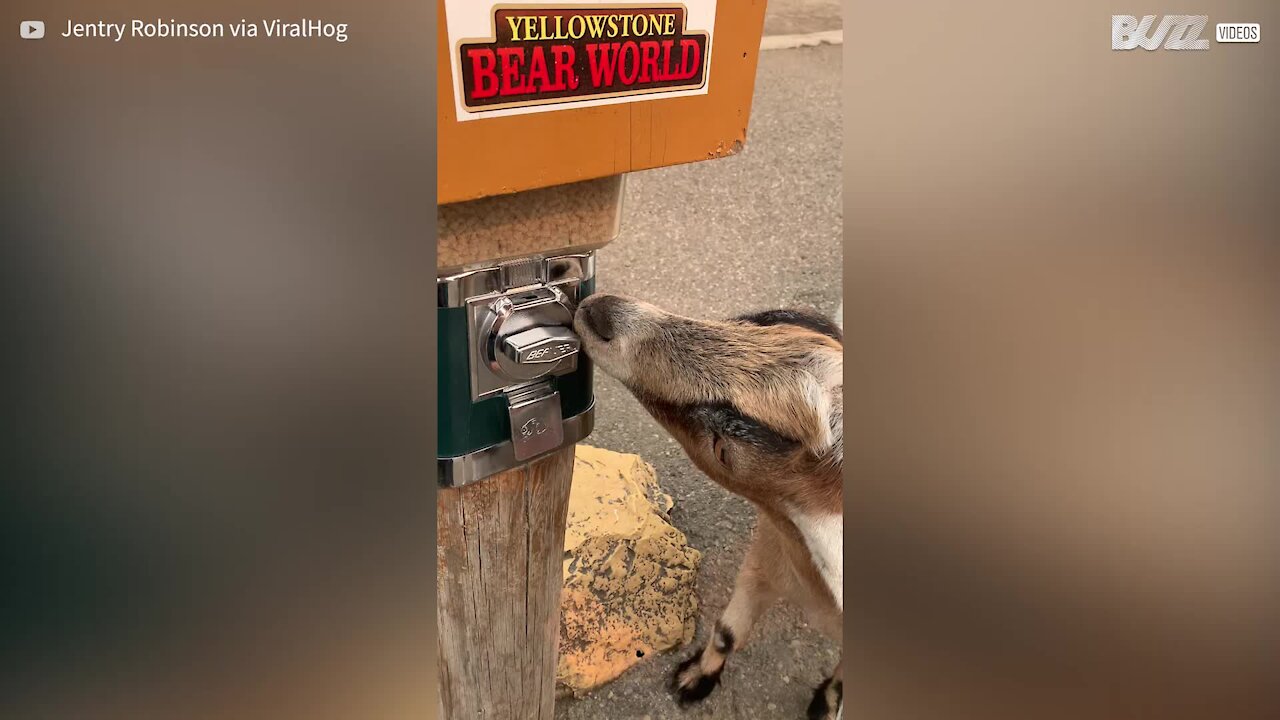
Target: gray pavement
712	239
797	17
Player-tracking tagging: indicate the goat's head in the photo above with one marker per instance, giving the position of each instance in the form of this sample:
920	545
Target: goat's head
755	401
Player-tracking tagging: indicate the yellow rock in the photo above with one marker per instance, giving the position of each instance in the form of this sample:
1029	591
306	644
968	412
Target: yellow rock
628	573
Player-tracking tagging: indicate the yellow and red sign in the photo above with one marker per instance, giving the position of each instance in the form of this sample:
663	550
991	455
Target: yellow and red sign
538	58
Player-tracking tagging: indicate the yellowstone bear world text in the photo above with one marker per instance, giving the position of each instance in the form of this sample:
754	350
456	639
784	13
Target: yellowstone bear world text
540	56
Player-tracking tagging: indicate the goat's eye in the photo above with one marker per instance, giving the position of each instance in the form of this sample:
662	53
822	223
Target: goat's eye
719	448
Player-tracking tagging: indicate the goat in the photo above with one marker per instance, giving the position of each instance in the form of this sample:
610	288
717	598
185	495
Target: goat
756	402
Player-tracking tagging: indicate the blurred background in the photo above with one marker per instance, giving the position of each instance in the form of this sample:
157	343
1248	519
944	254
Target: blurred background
217	260
1063	321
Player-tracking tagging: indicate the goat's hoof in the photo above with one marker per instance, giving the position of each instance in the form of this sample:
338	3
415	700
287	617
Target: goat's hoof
690	683
827	700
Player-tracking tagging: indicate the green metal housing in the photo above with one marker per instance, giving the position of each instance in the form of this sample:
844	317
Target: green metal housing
466	426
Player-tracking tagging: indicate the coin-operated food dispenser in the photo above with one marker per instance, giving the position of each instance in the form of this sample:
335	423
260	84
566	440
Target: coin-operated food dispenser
544	109
527	391
514	382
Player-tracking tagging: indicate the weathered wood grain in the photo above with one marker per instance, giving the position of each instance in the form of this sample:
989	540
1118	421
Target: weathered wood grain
498	569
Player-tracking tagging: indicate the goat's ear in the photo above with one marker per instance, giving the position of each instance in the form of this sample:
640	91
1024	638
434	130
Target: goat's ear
719	448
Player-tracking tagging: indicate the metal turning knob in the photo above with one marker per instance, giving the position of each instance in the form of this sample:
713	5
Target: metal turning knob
522	336
541	345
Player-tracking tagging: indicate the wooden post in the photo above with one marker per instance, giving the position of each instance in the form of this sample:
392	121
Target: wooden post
499	572
500	539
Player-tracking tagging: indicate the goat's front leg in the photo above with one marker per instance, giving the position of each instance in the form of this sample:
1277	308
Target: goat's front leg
753	593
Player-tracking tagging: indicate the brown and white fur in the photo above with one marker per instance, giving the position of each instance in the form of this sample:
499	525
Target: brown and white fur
756	403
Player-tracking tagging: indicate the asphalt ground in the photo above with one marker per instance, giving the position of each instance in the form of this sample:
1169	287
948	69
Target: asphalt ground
797	17
762	229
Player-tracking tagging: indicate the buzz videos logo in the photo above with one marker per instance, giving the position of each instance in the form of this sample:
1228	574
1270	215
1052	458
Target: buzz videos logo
1176	32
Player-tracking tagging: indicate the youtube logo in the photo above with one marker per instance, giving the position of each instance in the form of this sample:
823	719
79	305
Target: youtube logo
31	29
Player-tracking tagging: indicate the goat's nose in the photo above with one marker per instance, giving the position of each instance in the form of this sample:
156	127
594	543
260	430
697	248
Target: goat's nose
600	315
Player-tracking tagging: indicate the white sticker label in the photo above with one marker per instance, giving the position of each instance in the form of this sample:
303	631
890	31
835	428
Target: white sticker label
1239	32
533	56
